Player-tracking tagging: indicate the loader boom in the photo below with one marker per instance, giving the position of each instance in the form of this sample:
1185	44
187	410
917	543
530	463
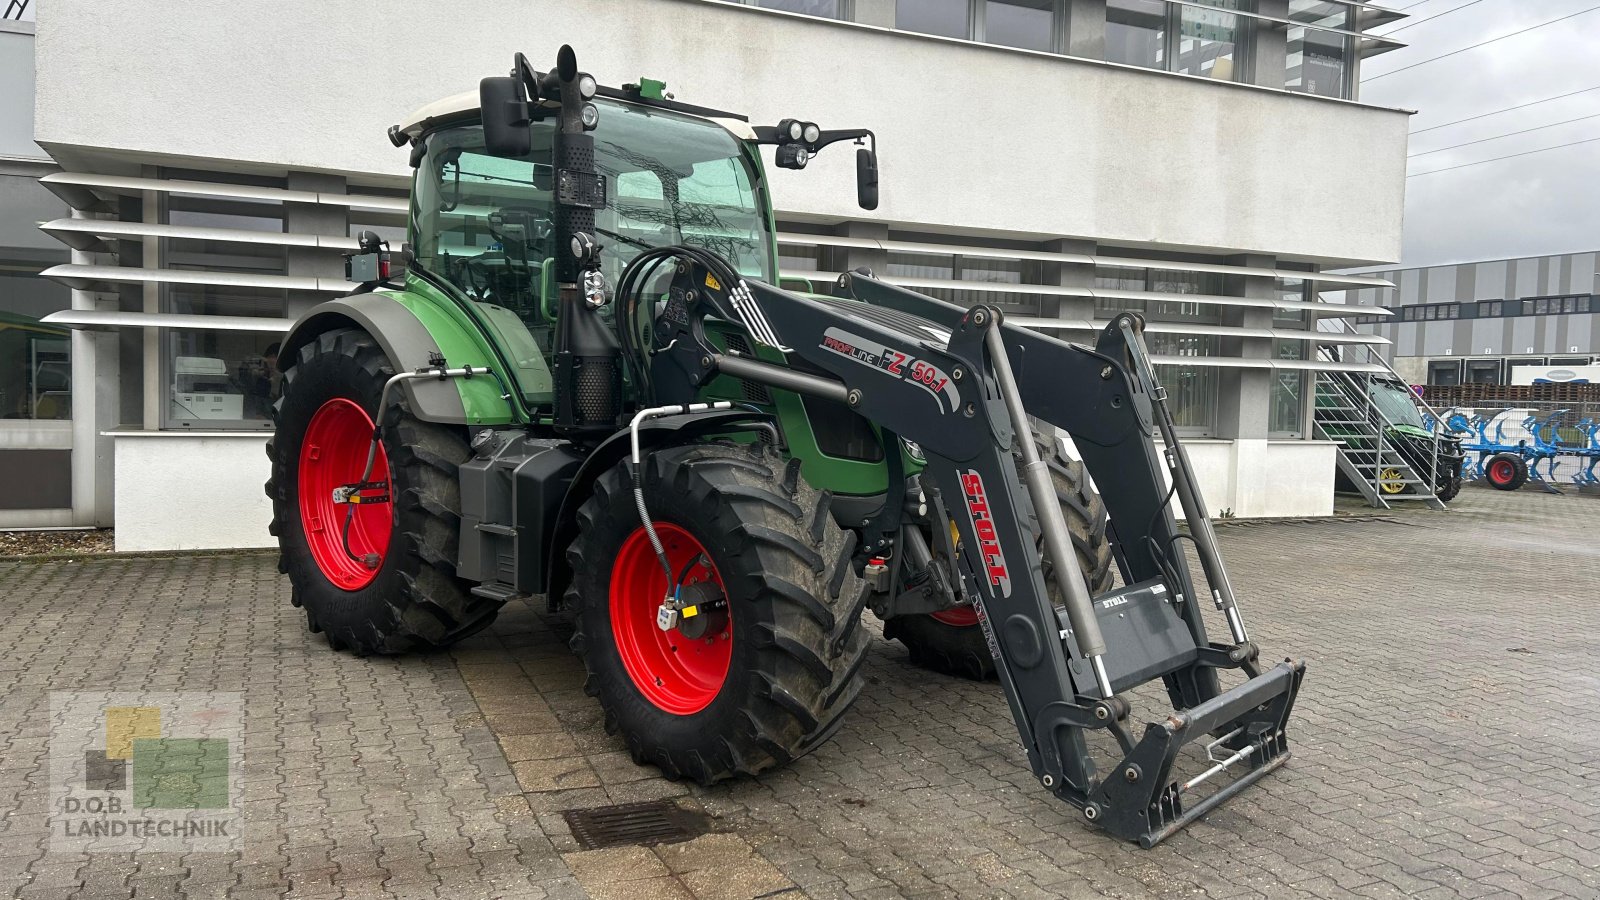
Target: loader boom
958	383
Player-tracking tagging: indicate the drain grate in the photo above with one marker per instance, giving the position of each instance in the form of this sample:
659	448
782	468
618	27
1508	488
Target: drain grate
641	824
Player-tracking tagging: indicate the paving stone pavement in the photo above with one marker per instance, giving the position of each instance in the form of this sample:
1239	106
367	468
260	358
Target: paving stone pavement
1444	743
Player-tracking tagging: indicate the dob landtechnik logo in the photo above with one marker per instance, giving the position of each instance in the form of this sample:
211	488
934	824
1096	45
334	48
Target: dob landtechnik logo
151	772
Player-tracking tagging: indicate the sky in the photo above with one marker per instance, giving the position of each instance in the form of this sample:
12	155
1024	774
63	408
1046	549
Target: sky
1532	205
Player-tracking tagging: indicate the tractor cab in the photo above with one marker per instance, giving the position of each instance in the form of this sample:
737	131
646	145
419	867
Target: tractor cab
485	223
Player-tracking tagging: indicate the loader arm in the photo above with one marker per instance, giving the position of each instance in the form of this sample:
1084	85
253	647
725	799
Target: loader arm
960	383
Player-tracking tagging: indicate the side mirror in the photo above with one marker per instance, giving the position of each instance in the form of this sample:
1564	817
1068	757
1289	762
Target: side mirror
867	178
506	117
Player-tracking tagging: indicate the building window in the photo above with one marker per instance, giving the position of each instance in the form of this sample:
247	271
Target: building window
825	9
35	358
1136	32
978	269
1185	38
1496	307
1166	281
797	258
1028	24
1318	61
1287	413
1210	42
1192	391
1118	278
946	18
218	379
221	379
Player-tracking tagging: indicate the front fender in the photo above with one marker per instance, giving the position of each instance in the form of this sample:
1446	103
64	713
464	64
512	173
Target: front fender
411	332
652	433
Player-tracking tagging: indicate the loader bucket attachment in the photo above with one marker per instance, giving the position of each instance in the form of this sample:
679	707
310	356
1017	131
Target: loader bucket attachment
1141	801
962	385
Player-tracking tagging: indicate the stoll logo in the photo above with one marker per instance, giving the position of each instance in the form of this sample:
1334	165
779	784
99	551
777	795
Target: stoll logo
149	772
994	560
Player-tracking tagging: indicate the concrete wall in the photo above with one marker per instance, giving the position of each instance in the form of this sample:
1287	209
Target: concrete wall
972	136
178	491
1260	479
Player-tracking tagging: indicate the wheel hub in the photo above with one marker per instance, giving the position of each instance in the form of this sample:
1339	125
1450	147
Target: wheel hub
681	668
347	521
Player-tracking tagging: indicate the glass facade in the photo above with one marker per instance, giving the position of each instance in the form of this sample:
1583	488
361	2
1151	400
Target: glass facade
1287	412
1027	24
979	269
1318	61
946	18
1211	41
827	9
218	379
1203	38
1136	33
35	357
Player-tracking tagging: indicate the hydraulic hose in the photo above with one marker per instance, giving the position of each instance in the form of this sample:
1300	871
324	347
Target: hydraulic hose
636	462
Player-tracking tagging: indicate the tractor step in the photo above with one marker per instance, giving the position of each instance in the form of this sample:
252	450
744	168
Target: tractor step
494	590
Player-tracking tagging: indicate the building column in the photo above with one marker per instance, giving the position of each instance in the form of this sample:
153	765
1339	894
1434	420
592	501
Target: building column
95	406
1244	405
1068	275
848	259
1085	23
155	394
1244	401
1269	57
313	218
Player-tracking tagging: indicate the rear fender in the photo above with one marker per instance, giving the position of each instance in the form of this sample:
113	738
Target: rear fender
411	332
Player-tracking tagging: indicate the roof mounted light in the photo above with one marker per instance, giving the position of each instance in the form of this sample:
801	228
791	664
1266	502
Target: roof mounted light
811	133
587	86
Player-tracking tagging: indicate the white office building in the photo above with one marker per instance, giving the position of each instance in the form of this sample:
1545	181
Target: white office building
197	177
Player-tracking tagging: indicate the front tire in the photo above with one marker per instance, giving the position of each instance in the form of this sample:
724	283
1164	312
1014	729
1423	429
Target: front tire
952	641
770	675
387	582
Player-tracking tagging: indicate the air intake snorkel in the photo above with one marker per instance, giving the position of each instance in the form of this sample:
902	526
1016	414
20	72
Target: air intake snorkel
588	363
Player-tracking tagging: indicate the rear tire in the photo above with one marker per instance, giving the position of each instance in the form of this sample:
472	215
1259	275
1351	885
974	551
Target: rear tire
952	641
412	600
1506	471
794	648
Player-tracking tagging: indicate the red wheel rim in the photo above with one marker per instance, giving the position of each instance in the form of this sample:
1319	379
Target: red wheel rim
1501	471
332	455
678	674
960	616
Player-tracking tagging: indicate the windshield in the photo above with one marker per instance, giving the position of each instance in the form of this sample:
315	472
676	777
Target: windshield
485	224
1396	402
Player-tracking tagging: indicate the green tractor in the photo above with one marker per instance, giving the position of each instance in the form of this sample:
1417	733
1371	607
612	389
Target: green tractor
578	381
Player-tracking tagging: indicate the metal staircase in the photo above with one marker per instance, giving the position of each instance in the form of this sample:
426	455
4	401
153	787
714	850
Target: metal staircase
1346	412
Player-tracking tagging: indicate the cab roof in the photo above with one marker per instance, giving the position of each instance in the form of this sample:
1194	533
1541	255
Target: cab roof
466	105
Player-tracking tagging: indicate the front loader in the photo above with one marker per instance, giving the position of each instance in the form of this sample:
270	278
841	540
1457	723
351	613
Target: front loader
578	380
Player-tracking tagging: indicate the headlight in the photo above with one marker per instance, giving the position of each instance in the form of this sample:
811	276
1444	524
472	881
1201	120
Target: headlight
797	129
811	133
590	116
587	87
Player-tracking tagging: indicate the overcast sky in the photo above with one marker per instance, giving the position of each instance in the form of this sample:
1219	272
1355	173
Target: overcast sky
1543	203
